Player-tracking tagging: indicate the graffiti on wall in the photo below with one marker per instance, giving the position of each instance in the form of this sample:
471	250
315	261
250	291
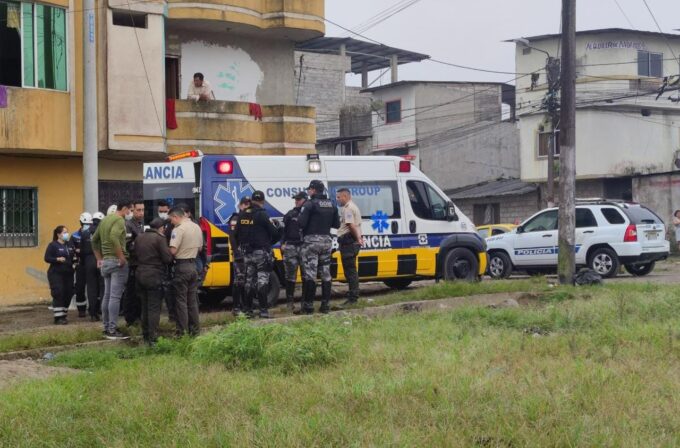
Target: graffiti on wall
233	74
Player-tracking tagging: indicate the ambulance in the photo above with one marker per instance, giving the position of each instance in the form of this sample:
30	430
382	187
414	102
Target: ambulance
411	229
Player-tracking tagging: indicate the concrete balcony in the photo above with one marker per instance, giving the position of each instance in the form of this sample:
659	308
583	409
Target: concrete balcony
36	121
226	127
296	20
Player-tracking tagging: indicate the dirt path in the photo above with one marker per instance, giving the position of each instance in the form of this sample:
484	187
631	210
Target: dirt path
12	372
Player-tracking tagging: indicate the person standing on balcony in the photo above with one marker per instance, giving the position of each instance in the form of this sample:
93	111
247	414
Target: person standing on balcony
200	89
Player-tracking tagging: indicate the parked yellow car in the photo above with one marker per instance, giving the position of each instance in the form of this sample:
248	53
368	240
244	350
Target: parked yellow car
494	229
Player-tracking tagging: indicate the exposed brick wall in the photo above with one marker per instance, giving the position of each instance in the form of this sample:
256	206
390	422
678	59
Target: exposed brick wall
512	208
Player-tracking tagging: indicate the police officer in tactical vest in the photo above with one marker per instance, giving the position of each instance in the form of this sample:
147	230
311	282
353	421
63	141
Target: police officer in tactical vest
291	246
77	243
317	216
239	264
255	233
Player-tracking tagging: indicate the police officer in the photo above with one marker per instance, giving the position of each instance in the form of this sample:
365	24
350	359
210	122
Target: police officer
134	226
185	244
94	301
291	246
81	277
238	288
153	256
256	234
317	216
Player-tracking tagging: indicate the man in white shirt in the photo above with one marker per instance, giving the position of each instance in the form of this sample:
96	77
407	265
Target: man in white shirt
199	89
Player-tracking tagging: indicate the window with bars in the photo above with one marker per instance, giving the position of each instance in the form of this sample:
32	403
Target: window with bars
547	139
18	217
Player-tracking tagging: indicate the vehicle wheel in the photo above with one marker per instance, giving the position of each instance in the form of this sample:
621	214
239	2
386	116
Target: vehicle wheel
398	283
605	262
274	289
460	264
212	297
500	265
640	270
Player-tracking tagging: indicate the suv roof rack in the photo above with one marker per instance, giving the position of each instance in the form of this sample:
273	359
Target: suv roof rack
602	201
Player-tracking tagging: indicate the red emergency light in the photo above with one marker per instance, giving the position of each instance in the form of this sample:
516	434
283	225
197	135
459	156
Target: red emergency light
224	167
404	166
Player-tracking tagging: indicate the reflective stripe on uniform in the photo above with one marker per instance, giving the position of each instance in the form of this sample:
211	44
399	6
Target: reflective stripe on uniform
59	312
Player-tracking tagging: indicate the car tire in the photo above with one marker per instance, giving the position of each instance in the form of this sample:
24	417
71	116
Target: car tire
640	270
212	298
398	283
500	265
605	262
460	264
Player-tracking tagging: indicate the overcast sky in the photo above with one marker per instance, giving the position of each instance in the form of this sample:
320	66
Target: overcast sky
471	32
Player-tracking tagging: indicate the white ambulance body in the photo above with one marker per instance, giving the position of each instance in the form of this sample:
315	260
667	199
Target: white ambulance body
411	229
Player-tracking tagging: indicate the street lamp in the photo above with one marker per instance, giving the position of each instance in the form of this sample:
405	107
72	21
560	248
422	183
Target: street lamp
552	70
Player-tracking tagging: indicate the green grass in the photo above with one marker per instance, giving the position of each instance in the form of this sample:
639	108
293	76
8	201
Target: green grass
72	335
604	373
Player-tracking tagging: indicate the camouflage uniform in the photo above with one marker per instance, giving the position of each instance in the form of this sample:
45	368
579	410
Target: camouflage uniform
316	257
317	217
292	259
259	264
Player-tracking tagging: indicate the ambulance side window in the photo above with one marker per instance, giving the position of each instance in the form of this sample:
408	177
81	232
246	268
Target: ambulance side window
425	201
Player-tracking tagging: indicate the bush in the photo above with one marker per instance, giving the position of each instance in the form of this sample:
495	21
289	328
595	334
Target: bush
282	348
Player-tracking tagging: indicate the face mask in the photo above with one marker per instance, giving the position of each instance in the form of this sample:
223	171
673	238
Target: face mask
163	215
128	217
86	226
65	236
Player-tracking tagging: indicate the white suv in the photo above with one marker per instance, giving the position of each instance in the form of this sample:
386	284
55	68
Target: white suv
608	233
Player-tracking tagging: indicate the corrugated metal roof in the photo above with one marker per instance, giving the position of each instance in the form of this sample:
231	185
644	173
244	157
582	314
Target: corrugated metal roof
445	83
372	56
500	187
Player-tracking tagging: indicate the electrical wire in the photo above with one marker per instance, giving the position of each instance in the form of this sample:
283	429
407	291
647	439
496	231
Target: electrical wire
659	28
624	14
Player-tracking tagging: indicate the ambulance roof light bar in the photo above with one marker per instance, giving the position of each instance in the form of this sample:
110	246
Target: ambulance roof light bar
313	163
193	154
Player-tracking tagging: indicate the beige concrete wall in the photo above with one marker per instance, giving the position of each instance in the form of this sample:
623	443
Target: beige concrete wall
136	85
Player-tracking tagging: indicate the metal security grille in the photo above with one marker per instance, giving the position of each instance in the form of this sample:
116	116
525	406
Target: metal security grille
18	217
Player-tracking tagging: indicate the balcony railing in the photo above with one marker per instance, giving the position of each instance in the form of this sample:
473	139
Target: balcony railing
229	127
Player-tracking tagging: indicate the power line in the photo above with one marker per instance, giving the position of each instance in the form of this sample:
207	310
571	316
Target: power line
624	14
659	28
384	15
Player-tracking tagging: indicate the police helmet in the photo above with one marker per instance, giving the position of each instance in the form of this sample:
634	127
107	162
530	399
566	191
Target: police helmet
317	185
85	218
111	210
97	216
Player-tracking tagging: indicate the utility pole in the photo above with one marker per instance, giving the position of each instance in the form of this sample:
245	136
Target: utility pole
567	210
90	150
552	69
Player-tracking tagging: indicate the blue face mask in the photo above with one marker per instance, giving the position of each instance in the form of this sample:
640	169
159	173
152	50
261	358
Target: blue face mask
86	226
65	236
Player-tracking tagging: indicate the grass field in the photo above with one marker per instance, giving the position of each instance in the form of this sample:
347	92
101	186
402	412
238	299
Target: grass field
72	334
583	367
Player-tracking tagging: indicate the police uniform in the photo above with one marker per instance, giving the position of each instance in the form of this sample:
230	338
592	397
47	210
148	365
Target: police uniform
132	308
256	234
187	239
81	277
316	219
349	248
291	242
88	277
239	265
153	256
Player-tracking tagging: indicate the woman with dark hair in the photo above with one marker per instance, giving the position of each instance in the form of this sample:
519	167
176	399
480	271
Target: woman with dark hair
60	273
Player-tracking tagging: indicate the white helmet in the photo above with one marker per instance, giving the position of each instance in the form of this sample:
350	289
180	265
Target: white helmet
85	218
98	215
112	209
